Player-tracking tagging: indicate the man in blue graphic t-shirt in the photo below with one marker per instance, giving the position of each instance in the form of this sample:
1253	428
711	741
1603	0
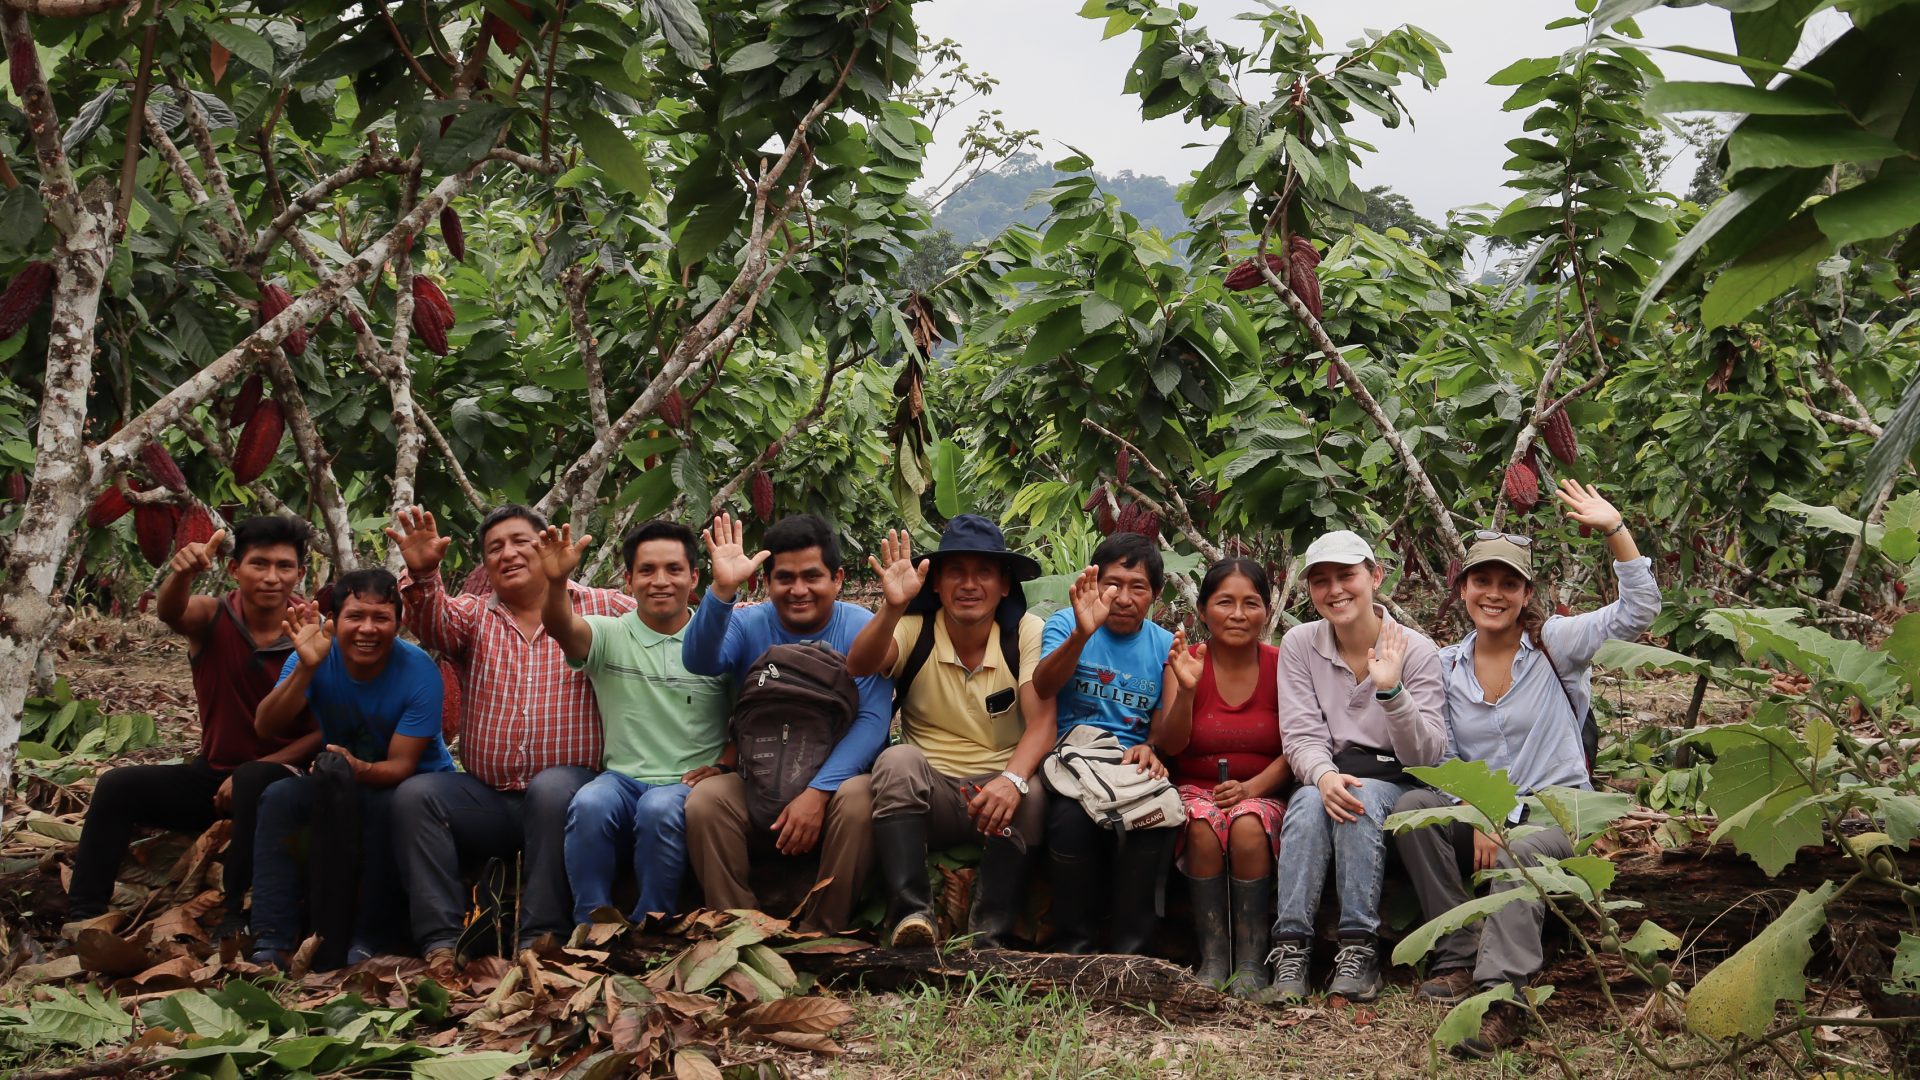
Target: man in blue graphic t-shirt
1107	665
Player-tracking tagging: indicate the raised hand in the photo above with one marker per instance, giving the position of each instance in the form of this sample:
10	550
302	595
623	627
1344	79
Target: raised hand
1091	602
311	632
421	544
558	553
900	579
1387	656
1187	665
732	566
195	559
1586	506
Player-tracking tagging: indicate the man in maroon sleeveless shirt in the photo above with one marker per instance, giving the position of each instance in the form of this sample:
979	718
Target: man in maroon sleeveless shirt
236	647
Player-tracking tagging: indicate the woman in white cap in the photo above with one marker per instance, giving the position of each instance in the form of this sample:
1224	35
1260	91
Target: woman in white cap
1360	701
1518	687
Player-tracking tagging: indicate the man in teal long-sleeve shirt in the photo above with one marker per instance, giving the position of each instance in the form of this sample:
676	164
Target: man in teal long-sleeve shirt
835	813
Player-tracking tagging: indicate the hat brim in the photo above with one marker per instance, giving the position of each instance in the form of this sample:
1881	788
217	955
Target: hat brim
1023	567
1503	560
1335	560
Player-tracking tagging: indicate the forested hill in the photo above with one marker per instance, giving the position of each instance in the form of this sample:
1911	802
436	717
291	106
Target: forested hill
998	199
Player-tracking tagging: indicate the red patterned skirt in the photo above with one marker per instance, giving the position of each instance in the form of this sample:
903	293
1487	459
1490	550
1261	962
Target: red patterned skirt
1201	807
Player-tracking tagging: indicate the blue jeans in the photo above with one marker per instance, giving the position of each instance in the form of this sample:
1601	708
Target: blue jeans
286	808
615	814
1309	840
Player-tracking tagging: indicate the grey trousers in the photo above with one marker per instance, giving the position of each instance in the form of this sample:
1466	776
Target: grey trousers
1503	947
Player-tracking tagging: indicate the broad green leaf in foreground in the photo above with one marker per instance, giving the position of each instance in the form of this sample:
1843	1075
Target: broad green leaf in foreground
1472	782
1739	996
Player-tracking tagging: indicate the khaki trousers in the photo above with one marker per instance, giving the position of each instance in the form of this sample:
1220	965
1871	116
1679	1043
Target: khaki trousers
904	782
720	848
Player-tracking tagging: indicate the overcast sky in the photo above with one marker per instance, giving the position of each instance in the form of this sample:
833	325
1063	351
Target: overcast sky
1058	76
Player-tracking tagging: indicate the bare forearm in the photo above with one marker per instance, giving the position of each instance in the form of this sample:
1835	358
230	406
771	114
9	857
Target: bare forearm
868	656
1270	779
1622	547
297	751
1050	675
275	716
385	774
564	625
1038	738
1172	727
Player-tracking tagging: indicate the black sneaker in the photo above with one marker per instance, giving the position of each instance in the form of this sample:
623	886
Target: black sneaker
1289	959
1356	971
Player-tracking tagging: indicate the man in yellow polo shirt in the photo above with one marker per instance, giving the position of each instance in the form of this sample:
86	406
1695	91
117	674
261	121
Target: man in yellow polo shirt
961	655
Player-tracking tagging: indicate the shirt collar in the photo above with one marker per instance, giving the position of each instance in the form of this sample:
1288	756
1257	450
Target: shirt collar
1325	645
649	637
944	652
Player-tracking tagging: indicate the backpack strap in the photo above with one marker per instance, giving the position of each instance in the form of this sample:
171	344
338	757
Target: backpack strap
916	659
1009	622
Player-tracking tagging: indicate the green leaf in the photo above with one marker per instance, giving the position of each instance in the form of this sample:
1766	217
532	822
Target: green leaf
1789	100
1592	869
751	57
946	480
1650	940
1770	33
1772	831
1472	782
248	47
467	139
1627	657
1754	204
21	217
1825	517
1765	272
1422	939
710	225
1768	141
1898	437
480	1066
84	1020
1462	1022
1097	313
681	23
1883	206
1906	965
1738	997
715	965
1408	820
609	148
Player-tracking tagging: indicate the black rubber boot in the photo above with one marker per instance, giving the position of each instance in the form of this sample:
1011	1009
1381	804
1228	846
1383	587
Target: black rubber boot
900	854
999	893
1138	872
1076	884
1209	896
1252	937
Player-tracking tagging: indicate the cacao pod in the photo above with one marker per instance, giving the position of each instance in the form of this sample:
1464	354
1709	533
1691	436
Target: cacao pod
1523	486
273	301
426	290
24	295
16	487
354	320
1333	376
449	699
1301	277
1586	531
673	409
1122	465
1899	590
23	63
160	465
452	234
194	527
153	528
762	488
108	507
428	326
1103	518
504	32
259	441
1247	275
244	402
1561	442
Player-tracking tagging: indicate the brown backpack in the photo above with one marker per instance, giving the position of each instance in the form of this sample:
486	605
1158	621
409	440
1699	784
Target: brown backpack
795	705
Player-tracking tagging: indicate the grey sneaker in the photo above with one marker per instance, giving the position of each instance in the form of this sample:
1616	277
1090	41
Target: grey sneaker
1356	971
1289	959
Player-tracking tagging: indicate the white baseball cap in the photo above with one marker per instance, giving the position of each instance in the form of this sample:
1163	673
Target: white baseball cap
1340	546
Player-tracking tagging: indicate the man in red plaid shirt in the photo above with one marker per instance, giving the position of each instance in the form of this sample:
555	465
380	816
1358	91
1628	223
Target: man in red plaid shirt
529	732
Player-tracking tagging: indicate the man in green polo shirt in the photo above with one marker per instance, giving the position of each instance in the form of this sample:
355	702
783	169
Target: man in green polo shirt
665	729
962	655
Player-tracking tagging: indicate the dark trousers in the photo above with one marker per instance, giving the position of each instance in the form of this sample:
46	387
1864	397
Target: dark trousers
443	817
283	846
174	797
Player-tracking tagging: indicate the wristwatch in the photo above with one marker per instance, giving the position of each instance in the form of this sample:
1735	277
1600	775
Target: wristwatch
1018	781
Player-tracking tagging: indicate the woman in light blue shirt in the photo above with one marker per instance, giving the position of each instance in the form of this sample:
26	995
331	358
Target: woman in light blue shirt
1518	687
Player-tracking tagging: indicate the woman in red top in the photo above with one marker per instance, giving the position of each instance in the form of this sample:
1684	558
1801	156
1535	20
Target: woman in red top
1230	771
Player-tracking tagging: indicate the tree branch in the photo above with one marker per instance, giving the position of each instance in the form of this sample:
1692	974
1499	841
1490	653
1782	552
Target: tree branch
64	9
310	200
1181	516
731	487
136	115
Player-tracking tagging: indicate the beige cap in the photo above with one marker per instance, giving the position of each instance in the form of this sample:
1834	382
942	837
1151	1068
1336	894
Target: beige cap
1340	546
1503	551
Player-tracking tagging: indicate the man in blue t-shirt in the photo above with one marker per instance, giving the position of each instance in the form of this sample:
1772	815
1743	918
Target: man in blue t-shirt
835	813
1106	664
377	702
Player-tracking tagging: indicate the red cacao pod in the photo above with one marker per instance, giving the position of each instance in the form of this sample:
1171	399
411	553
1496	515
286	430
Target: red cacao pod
449	698
161	466
1586	531
427	291
1453	575
1102	510
273	301
16	487
1301	278
428	325
762	486
247	400
355	321
153	528
259	441
476	583
23	296
194	527
1122	465
23	63
673	409
1247	275
1523	486
108	507
452	234
1557	432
